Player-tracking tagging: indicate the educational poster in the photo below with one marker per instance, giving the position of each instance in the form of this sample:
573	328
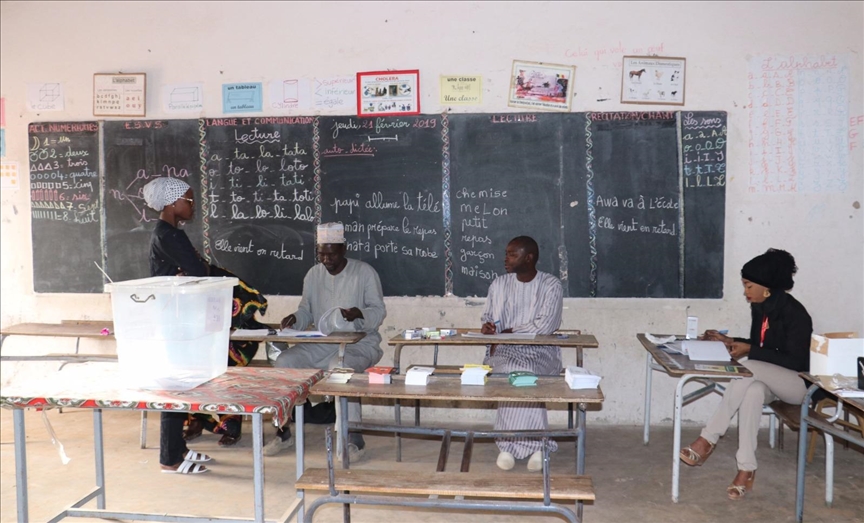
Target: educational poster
798	118
45	96
653	80
120	94
541	86
242	97
461	90
290	93
183	98
9	175
338	93
388	93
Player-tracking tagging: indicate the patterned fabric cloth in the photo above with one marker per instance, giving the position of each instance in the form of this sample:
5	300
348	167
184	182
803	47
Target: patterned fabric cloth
533	307
164	191
94	386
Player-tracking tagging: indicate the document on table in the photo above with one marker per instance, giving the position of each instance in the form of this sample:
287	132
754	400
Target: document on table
699	350
501	336
251	332
291	333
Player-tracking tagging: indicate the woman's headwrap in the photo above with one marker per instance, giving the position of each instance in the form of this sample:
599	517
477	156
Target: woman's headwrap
164	191
773	269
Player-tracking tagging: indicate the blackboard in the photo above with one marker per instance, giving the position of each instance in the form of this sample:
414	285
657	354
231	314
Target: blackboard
137	151
382	178
506	176
622	204
65	206
258	199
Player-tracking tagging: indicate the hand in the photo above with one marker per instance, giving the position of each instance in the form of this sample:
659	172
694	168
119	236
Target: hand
488	328
351	314
713	335
288	321
739	349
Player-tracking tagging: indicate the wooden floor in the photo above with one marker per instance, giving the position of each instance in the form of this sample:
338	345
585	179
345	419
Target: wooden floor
632	482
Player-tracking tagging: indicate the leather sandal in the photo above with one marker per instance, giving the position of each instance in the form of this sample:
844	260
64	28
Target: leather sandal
693	458
735	491
193	430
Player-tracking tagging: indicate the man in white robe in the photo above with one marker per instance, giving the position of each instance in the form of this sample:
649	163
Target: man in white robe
354	288
530	301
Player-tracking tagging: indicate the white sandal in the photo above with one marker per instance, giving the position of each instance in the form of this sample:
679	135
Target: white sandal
187	467
196	457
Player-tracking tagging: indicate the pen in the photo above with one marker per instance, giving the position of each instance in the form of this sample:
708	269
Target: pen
498	326
724	332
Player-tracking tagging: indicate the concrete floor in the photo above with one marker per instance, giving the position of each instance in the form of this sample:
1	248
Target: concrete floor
632	481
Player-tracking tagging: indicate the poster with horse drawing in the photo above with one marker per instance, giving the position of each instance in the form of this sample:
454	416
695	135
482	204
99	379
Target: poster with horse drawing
653	80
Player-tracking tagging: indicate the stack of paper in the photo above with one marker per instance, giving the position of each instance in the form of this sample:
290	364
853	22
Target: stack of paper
698	350
579	378
418	375
380	374
340	375
521	378
475	374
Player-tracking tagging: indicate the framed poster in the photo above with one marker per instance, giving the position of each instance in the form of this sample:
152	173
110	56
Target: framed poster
653	80
388	93
539	85
120	94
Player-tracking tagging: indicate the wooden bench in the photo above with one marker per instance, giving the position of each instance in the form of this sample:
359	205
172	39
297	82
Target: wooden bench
527	489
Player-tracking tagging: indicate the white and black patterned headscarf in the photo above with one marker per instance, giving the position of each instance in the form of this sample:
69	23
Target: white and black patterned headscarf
164	191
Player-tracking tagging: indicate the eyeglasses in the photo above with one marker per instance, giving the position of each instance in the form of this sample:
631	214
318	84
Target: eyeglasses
190	200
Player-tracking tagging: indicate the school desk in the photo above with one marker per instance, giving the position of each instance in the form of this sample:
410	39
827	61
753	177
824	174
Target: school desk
94	330
252	391
831	427
681	367
448	388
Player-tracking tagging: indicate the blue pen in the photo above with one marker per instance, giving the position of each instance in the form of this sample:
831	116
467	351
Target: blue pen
724	332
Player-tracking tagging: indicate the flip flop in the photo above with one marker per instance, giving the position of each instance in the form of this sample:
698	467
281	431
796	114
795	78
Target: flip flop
196	457
187	467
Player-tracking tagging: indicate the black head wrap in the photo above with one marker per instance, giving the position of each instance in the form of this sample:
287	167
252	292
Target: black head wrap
773	269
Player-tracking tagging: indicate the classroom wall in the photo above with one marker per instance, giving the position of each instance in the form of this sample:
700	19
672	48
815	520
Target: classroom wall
220	42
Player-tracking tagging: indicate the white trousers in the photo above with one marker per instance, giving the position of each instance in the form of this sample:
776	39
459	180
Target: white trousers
746	396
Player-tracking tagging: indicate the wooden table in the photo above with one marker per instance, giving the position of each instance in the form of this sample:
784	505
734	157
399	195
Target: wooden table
574	340
681	367
830	430
254	390
93	330
449	388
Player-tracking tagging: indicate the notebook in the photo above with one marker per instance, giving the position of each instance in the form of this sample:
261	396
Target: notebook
698	350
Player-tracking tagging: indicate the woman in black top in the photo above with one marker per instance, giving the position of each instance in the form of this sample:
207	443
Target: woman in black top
172	254
777	350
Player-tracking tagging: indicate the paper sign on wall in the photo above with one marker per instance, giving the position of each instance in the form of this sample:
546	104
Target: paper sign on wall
242	98
9	175
120	94
45	96
461	90
183	98
336	92
388	93
290	93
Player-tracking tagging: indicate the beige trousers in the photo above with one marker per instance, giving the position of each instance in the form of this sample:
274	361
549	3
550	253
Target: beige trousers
746	397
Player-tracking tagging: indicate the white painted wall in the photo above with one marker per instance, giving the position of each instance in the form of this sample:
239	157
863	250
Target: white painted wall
216	42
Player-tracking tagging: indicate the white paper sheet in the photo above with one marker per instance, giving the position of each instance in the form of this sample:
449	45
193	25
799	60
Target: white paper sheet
698	350
291	333
504	336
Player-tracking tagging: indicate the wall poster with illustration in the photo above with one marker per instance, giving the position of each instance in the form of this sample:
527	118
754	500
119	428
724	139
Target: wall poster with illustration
541	86
653	80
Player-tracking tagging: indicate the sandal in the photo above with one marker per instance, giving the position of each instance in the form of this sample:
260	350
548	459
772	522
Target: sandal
187	467
693	458
193	430
736	492
196	457
229	441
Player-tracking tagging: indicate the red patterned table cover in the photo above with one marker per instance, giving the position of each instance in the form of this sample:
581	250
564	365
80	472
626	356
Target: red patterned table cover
239	390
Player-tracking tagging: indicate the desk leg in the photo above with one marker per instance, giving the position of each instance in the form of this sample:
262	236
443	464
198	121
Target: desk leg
398	416
143	429
397	357
580	452
342	354
803	434
579	356
20	465
647	424
342	436
258	466
829	470
676	436
300	446
100	458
